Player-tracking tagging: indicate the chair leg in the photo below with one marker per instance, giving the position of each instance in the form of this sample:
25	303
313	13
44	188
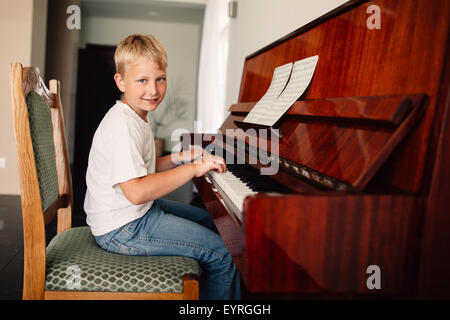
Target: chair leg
190	287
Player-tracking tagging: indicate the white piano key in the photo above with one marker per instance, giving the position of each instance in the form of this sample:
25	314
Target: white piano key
233	188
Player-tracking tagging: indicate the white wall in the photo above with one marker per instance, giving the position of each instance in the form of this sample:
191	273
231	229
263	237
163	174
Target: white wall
22	34
259	23
39	35
182	43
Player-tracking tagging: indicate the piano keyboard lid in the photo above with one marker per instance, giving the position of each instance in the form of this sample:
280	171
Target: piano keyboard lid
338	143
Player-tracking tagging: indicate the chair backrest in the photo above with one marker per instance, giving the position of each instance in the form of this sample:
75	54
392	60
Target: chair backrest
45	179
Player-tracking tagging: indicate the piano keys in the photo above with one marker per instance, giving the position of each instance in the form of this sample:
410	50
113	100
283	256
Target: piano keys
239	182
360	180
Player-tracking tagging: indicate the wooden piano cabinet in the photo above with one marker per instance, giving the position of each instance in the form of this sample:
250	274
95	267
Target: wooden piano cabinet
210	198
324	244
405	56
317	243
434	279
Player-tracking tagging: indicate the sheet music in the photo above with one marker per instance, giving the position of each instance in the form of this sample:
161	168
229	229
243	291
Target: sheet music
280	78
302	73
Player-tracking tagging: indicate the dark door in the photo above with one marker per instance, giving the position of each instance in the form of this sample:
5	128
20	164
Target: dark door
96	93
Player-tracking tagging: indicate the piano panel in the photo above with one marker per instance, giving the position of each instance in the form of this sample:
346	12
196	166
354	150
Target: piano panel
326	249
405	56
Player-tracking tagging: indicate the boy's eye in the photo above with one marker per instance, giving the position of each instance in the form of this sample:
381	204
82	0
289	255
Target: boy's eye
142	80
161	79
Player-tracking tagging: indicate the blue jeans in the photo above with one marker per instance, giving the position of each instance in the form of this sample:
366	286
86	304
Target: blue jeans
170	228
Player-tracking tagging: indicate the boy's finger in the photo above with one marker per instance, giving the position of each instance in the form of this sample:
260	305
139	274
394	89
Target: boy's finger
222	167
219	160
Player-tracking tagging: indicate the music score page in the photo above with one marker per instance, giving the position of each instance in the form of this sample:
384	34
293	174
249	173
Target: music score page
276	102
279	80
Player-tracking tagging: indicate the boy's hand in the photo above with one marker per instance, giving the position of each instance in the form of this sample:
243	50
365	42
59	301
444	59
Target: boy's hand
207	163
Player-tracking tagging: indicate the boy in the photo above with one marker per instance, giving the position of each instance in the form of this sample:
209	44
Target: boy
124	180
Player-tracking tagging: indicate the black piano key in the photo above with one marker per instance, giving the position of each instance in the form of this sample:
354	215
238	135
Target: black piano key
254	180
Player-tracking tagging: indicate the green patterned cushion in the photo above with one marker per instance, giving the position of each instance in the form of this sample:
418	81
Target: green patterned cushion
43	147
75	262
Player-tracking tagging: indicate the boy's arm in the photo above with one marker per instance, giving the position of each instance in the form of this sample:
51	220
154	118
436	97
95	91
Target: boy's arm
174	159
156	185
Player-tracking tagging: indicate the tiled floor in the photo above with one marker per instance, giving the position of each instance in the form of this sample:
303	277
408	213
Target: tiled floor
11	248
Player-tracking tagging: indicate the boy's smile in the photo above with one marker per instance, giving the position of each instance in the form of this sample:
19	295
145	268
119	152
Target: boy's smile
143	84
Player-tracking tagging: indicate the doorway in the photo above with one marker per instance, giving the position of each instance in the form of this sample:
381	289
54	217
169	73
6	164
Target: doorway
96	94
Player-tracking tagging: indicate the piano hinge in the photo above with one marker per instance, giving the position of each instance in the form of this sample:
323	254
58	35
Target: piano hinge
314	176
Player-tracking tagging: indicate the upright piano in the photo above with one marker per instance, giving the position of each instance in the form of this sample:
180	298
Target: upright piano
357	206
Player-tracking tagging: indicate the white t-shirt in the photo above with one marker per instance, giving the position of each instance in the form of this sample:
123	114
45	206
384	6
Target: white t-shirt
123	148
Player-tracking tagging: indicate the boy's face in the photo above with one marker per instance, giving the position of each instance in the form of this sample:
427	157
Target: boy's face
143	84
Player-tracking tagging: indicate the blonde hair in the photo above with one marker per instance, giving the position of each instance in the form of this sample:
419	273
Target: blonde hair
136	46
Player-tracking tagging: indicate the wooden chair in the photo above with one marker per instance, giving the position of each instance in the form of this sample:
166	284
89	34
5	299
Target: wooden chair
73	266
